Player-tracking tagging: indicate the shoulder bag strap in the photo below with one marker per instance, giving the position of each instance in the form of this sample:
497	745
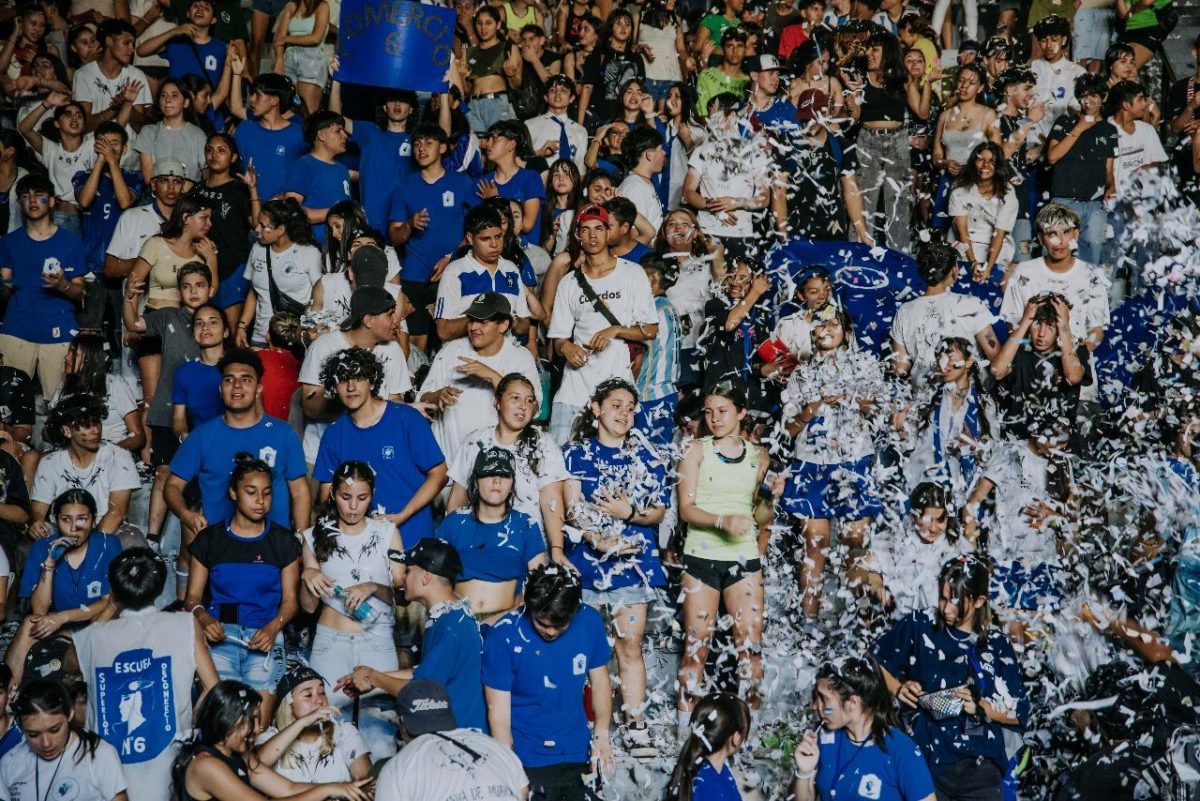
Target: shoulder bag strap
590	293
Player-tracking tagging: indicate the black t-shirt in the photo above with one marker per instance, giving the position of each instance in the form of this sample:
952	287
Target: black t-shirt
1037	383
1018	167
231	224
728	354
16	397
12	491
815	205
606	71
1177	97
1080	175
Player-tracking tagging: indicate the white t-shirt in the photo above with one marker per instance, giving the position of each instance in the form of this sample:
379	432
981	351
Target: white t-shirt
474	407
134	227
93	778
111	471
1135	150
1084	286
93	86
692	289
303	762
1020	478
921	324
986	215
120	400
527	485
543	129
396	378
724	174
357	558
627	293
644	196
432	769
63	164
295	269
335	304
1055	86
465	279
910	569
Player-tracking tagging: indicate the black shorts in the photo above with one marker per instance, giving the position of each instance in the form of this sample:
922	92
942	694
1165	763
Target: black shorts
1149	38
719	575
422	295
163	445
147	345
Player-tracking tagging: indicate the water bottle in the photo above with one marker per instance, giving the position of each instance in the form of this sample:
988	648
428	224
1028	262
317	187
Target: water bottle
364	613
58	549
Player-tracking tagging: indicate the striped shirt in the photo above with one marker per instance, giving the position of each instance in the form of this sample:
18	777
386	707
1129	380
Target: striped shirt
660	367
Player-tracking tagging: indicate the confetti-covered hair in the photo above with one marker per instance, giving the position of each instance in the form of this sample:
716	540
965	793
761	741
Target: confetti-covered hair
716	718
967	576
137	576
586	422
352	363
76	411
326	531
553	594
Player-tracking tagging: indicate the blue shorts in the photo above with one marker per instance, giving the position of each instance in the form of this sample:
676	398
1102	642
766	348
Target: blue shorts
232	290
658	89
1092	32
832	491
233	660
271	8
1015	586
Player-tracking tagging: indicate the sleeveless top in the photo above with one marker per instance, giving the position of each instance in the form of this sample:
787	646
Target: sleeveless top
724	488
357	558
574	24
665	66
234	762
301	26
959	144
139	671
515	23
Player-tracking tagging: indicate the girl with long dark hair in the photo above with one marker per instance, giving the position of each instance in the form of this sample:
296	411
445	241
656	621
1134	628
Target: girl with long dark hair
983	211
701	263
282	268
615	60
87	372
960	676
242	582
58	752
718	728
220	763
617	496
947	435
860	751
348	561
232	189
719	477
564	194
540	471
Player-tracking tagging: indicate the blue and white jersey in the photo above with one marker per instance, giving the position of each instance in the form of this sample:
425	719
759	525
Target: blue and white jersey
466	278
660	365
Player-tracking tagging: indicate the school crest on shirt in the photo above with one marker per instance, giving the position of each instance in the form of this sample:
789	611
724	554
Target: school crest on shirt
135	705
267	454
870	786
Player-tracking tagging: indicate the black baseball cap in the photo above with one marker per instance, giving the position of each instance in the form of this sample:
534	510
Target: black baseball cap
293	679
424	707
489	306
437	556
368	300
370	266
494	462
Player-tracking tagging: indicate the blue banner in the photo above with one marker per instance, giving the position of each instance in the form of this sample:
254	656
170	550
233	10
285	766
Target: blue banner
395	44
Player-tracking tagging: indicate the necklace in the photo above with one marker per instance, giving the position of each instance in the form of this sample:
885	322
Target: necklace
37	777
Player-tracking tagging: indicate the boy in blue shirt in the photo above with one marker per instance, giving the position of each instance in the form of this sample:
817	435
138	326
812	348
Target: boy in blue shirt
536	661
211	450
196	387
191	47
386	149
427	216
105	191
266	140
41	274
318	180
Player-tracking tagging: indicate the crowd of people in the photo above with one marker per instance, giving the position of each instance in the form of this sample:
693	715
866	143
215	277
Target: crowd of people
539	389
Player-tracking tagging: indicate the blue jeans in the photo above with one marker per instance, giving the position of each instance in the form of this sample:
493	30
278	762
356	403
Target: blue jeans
1093	219
233	660
335	654
483	112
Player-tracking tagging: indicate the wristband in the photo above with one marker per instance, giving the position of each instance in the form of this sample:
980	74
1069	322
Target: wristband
806	776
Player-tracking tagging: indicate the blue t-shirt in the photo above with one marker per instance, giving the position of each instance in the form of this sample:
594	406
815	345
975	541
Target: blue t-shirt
780	114
941	658
208	454
526	184
896	772
709	785
385	164
321	184
400	448
245	574
187	57
12	738
636	253
73	587
641	474
493	551
447	200
197	387
35	314
545	679
452	655
100	218
272	152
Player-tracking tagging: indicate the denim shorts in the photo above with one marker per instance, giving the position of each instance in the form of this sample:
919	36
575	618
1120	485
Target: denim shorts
306	64
658	89
336	653
622	596
233	660
269	7
232	290
1092	32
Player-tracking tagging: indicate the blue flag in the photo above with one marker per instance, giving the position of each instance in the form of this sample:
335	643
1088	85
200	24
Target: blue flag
871	282
396	44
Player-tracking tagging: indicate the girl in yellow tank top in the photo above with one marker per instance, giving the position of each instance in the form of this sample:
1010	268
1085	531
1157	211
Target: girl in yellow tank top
719	478
514	21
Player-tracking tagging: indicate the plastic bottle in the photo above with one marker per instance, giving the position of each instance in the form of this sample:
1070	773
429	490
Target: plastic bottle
364	613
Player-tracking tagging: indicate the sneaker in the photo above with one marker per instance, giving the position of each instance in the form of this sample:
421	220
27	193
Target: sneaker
638	741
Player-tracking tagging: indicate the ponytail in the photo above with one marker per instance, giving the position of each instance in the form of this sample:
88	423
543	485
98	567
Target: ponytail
716	718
